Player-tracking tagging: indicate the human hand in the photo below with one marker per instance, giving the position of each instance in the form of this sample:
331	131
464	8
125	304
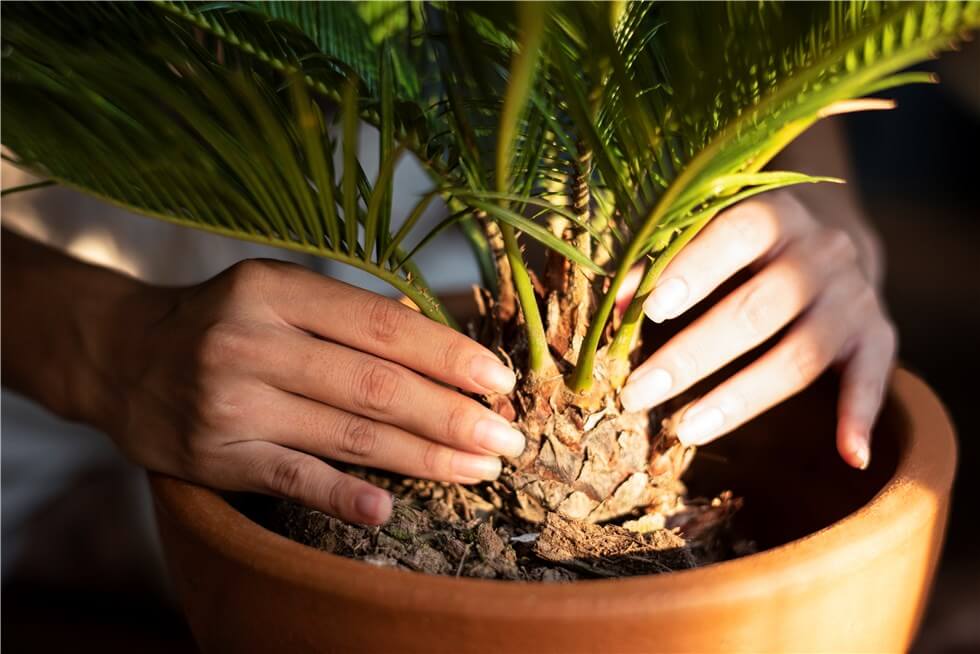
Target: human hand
241	383
807	272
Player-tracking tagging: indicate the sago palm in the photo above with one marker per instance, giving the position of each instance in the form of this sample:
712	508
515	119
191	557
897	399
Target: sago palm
609	133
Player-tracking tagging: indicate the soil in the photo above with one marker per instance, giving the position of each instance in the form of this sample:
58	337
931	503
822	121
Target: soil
448	529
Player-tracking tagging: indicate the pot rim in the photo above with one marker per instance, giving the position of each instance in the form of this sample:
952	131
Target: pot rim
922	479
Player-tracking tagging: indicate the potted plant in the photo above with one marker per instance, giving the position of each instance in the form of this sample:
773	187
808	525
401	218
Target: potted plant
610	134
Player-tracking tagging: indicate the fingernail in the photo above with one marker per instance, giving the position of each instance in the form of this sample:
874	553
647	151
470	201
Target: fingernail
374	507
646	389
667	300
474	466
863	454
490	373
498	437
699	426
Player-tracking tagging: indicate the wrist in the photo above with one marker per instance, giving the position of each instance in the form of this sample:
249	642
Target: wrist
109	351
70	329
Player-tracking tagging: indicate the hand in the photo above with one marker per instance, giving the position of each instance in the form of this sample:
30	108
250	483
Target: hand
241	383
807	272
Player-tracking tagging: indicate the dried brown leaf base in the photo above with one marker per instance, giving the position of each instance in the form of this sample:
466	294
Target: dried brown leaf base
596	493
451	530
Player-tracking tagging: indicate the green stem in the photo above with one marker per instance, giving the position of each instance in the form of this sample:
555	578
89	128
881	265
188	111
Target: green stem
625	337
539	359
532	22
581	377
480	244
481	250
622	343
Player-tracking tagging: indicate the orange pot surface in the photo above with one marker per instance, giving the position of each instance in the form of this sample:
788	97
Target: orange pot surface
847	563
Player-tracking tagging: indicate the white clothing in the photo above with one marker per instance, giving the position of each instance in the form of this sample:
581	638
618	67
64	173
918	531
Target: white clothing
50	466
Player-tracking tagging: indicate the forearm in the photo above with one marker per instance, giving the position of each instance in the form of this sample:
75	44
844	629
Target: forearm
62	321
822	150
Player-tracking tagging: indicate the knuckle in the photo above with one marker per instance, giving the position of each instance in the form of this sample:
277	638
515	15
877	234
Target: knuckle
858	298
850	290
212	406
840	244
457	420
686	365
790	207
223	344
375	386
867	298
436	461
451	355
221	409
247	275
287	477
751	228
259	279
759	311
336	496
385	319
359	438
809	359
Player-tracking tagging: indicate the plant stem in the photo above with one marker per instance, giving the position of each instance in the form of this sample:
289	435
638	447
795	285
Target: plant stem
581	377
625	337
539	359
532	21
484	254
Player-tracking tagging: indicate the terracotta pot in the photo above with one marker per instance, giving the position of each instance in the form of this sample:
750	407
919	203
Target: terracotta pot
848	561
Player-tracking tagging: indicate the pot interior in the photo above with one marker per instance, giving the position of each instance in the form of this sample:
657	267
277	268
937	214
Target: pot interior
786	467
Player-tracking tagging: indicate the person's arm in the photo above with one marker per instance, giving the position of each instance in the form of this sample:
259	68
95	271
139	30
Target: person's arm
818	267
50	302
245	381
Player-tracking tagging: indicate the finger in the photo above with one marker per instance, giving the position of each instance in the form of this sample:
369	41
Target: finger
274	470
743	320
365	385
384	327
302	424
789	367
732	241
862	391
628	288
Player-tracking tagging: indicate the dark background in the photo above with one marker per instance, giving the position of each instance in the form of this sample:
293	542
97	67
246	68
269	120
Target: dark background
920	183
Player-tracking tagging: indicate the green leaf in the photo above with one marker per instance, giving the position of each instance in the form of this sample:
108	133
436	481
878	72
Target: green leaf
537	232
311	124
349	184
680	220
380	197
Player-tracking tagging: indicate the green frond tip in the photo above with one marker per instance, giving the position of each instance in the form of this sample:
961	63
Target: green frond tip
244	119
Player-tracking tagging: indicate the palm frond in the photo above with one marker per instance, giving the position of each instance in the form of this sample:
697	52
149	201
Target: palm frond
164	129
227	115
740	91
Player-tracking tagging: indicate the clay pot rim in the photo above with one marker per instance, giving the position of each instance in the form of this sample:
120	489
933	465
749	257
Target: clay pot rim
924	472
